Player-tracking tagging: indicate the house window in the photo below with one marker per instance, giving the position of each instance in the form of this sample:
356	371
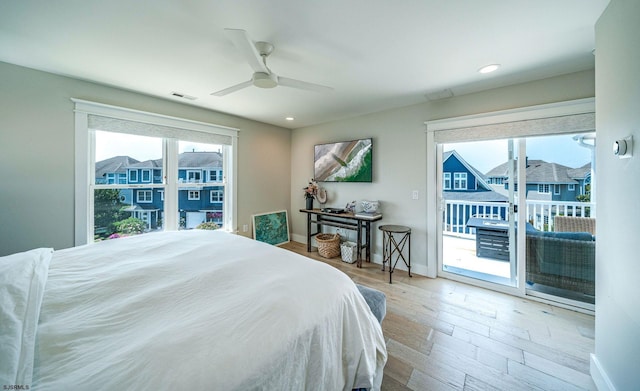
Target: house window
556	189
216	196
571	187
99	205
146	176
460	181
194	176
544	188
194	195
215	176
446	181
144	196
111	178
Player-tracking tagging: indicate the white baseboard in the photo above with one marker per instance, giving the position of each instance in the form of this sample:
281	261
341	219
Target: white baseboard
599	376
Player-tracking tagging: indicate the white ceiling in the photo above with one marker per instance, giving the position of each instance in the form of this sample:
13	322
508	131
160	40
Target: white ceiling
376	54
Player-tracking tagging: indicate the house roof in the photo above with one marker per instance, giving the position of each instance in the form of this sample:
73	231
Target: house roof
116	164
540	171
187	160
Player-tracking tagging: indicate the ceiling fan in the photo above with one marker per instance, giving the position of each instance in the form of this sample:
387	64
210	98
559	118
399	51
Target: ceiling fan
256	55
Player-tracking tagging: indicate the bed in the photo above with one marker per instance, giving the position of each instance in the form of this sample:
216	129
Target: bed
184	310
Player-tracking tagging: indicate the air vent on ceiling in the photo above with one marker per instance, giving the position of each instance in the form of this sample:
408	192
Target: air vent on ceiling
184	96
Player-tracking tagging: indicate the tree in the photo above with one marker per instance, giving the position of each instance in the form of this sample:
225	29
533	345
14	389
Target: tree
107	210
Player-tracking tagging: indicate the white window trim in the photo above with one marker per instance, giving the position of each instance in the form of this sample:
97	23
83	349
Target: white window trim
546	188
446	181
131	172
214	193
142	172
85	165
193	195
571	187
556	189
144	201
195	172
461	176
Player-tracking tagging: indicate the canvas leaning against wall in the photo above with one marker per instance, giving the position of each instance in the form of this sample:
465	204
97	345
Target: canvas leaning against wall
271	227
348	161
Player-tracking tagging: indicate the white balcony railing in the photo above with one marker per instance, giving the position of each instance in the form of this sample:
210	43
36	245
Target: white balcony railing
539	213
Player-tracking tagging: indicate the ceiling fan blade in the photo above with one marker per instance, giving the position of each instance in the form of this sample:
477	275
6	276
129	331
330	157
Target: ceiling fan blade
247	48
303	85
231	89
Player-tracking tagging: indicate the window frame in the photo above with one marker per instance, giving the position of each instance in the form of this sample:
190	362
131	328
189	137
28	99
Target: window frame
458	179
146	200
546	188
193	195
218	193
446	181
84	148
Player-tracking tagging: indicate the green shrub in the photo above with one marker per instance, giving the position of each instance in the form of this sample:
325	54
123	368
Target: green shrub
130	226
208	225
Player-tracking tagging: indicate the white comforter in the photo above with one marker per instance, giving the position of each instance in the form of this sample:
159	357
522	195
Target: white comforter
202	310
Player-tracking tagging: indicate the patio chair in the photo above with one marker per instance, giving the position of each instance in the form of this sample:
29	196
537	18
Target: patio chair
574	224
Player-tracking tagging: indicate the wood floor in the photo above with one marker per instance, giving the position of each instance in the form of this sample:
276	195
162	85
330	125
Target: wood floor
445	335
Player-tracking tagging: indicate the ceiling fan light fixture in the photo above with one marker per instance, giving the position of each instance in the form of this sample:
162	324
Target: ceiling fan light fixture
264	80
489	68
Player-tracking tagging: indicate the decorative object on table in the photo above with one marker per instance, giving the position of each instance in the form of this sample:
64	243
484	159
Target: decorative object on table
347	161
310	192
368	215
328	245
348	251
322	195
271	227
370	206
350	207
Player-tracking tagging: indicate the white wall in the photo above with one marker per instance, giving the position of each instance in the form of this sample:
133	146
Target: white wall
37	155
399	161
615	364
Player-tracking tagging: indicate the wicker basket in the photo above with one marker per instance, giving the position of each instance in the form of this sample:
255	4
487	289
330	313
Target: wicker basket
328	245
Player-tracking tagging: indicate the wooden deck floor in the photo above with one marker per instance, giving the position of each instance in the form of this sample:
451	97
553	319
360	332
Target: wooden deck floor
445	335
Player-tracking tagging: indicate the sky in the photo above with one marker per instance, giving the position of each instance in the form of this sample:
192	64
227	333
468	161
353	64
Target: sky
141	148
486	155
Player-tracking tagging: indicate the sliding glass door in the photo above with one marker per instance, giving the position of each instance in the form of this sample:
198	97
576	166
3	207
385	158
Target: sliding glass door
513	208
478	224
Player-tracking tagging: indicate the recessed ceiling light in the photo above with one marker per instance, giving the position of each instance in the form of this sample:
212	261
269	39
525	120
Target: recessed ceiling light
289	118
489	68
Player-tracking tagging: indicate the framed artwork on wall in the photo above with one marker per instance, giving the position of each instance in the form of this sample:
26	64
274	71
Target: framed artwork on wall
271	227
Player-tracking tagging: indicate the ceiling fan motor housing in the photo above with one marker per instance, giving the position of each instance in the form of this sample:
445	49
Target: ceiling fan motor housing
264	80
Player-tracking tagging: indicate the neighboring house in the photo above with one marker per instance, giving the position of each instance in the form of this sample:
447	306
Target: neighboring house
467	194
198	203
545	181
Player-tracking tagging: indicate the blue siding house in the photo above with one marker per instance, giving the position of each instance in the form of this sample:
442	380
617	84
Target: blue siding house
199	203
464	189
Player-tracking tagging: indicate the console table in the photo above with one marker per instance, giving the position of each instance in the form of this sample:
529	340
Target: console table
346	220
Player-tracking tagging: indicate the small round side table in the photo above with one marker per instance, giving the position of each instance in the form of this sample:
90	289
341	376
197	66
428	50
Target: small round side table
392	247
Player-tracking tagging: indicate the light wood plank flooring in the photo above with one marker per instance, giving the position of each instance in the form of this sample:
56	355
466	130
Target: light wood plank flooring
445	335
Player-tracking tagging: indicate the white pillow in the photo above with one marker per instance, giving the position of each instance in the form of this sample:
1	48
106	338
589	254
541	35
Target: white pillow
22	280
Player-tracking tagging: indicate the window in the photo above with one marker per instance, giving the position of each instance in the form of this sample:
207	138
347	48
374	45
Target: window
193	176
216	196
446	181
556	189
144	196
544	188
460	181
571	187
194	195
107	132
214	176
146	176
